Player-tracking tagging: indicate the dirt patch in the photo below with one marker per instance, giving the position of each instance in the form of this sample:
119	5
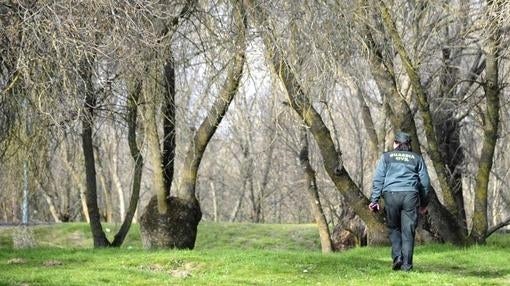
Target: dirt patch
52	263
185	270
153	267
177	269
16	261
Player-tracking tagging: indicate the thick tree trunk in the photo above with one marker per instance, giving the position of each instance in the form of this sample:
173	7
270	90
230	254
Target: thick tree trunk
402	118
313	195
177	228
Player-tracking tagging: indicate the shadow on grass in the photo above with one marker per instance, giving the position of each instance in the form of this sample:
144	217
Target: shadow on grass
458	270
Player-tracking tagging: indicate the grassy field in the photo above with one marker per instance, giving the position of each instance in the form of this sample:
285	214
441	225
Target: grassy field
241	254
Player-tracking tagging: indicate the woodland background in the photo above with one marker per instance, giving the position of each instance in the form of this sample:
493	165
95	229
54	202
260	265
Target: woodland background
113	81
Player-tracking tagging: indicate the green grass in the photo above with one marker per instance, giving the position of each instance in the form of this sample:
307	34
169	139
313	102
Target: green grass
242	254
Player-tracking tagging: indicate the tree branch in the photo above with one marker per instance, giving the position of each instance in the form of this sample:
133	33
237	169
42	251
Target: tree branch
493	229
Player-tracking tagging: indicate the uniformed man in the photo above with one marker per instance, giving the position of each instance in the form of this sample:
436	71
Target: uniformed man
402	179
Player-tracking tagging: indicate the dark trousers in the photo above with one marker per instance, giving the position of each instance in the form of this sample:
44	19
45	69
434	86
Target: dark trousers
401	218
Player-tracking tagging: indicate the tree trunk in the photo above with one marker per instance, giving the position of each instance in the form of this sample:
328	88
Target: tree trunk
215	202
156	158
107	196
116	182
450	229
84	208
253	194
313	195
401	116
98	235
447	128
138	159
332	159
235	211
177	226
51	206
419	90
491	122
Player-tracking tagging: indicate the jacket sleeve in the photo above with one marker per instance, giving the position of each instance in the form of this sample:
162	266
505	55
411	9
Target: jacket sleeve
378	181
424	183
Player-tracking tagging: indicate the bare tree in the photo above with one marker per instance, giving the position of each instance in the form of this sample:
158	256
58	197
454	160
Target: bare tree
181	213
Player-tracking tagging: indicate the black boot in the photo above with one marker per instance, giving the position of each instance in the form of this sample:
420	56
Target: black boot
397	263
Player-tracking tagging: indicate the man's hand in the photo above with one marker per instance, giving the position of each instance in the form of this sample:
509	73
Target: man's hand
423	210
374	207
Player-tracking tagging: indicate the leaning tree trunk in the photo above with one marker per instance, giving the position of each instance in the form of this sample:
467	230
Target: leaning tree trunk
176	225
313	195
332	159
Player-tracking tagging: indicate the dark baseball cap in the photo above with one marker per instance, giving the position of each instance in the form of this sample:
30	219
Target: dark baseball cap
402	137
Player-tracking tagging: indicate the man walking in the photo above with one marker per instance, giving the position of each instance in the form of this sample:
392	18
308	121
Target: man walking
401	178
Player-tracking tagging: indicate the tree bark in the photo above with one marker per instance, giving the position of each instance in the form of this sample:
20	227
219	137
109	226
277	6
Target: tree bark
490	128
116	182
98	234
215	201
216	113
84	208
138	159
107	196
313	195
155	157
51	206
400	116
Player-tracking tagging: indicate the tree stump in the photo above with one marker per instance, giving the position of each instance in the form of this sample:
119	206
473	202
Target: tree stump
349	232
177	228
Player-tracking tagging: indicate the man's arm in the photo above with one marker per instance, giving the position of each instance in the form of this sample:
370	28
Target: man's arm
378	181
424	182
